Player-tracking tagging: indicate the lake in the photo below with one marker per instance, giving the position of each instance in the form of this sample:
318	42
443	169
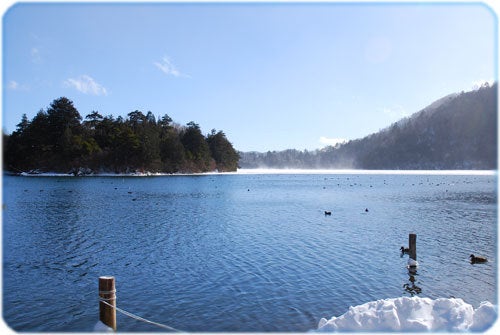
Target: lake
240	252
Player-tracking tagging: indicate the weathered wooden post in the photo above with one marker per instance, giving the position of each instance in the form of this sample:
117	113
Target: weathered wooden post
412	246
107	313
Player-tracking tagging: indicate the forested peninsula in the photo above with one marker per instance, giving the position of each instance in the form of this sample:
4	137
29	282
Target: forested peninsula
59	140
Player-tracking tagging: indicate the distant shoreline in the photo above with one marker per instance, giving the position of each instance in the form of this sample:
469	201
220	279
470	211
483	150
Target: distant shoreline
268	171
372	172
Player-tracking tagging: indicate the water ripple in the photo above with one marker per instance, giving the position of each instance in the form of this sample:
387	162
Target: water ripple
240	253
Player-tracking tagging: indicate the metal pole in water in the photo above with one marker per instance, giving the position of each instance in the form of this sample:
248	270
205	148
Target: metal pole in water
107	313
412	246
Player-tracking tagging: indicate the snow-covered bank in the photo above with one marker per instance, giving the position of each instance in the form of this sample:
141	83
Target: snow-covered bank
374	172
266	171
111	174
413	314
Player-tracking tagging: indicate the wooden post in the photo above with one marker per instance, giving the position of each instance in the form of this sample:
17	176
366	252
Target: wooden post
412	246
107	314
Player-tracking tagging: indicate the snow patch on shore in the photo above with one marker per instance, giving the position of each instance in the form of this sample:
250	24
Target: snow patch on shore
368	172
266	171
413	314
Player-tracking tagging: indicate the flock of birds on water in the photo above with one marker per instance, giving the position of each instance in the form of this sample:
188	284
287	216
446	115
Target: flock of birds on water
473	258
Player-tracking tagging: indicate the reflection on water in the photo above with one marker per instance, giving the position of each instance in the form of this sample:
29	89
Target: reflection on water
411	287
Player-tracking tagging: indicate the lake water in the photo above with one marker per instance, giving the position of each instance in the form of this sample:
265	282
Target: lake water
227	253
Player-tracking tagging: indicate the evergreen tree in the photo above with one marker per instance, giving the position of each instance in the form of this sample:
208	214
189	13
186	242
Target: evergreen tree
196	148
172	151
225	156
57	140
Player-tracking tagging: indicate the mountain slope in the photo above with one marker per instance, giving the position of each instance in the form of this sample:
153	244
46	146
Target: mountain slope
458	131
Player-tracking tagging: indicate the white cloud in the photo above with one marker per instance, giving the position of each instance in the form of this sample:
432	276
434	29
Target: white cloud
16	86
13	85
331	141
35	55
166	66
86	85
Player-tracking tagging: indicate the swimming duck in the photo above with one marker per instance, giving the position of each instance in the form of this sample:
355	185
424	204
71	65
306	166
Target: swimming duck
328	213
477	259
405	250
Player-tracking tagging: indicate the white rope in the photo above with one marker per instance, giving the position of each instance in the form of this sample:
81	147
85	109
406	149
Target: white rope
107	299
133	316
108	292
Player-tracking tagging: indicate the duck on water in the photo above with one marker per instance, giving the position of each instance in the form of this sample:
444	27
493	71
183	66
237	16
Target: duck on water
477	259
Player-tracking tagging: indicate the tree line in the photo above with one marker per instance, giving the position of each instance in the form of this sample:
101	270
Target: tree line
60	140
456	132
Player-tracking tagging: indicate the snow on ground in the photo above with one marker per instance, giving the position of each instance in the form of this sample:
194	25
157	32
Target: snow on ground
369	172
413	314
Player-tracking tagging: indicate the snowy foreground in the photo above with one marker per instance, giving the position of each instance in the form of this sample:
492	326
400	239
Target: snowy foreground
413	314
405	315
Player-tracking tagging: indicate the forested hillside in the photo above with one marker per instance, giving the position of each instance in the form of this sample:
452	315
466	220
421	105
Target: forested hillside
58	140
456	132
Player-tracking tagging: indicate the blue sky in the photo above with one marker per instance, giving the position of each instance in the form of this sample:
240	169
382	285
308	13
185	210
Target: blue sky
272	76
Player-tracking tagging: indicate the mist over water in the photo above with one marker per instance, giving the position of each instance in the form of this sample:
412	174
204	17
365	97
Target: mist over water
370	172
250	251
